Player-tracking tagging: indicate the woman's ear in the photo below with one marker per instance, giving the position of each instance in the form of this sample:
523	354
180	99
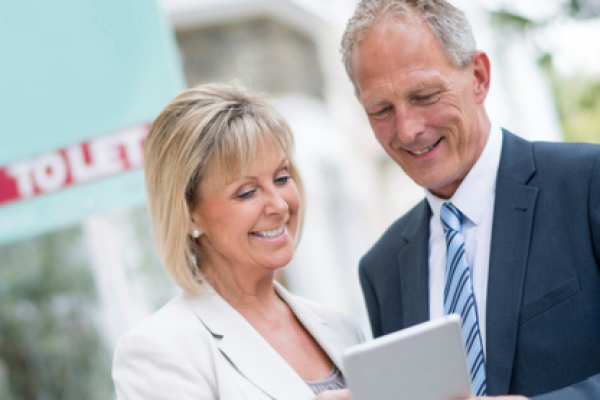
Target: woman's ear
194	230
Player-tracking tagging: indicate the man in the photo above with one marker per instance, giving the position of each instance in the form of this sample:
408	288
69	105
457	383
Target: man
528	214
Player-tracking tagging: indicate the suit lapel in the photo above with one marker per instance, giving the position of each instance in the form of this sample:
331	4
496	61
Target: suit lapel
413	262
511	233
329	339
247	350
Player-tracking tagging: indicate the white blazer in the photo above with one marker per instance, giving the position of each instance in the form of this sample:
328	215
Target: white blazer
197	347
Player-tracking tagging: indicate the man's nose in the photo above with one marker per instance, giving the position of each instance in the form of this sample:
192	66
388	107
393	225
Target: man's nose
409	124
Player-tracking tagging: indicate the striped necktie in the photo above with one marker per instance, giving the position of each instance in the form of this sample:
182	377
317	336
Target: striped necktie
458	295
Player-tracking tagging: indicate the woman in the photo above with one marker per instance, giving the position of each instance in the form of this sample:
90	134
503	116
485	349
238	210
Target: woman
226	206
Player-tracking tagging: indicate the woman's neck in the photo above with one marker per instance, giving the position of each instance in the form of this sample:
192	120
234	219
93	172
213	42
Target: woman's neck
251	293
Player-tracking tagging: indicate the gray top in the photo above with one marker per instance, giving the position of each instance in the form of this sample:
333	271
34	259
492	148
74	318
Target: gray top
335	380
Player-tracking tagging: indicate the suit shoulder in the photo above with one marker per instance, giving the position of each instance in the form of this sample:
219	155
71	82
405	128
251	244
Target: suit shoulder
390	243
172	324
337	320
165	356
566	155
324	312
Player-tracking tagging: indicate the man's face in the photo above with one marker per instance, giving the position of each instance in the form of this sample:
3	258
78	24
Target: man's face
427	114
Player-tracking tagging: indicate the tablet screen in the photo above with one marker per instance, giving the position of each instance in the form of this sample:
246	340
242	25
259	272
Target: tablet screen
425	362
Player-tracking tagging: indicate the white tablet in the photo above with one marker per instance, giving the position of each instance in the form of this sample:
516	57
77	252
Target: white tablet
423	362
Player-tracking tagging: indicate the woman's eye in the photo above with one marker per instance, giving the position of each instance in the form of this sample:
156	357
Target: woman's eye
247	194
282	180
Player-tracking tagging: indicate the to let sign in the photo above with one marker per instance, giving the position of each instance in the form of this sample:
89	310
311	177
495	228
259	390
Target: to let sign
84	162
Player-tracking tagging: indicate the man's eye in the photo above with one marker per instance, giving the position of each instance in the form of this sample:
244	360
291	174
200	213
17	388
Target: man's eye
383	111
282	180
247	194
425	98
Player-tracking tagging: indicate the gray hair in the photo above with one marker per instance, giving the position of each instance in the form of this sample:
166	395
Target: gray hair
213	125
449	25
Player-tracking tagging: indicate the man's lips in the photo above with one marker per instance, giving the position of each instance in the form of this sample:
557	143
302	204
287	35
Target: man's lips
425	150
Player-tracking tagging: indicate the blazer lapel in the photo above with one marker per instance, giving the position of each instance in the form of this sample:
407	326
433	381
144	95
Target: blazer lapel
329	339
413	262
247	350
511	233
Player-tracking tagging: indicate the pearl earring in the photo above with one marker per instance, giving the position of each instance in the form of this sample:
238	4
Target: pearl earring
196	233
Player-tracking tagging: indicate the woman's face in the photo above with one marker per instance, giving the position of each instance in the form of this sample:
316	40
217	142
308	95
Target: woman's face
250	222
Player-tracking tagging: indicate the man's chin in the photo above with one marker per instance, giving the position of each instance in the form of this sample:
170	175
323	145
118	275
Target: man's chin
444	191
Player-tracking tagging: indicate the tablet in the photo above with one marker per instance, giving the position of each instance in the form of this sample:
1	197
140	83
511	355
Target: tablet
423	362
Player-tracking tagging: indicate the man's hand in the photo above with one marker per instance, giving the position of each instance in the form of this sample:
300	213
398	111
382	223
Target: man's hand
512	397
343	394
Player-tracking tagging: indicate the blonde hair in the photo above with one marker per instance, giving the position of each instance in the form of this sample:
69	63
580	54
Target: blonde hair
449	25
217	125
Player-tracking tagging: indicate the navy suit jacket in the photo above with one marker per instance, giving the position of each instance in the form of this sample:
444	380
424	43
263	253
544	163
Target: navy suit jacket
543	304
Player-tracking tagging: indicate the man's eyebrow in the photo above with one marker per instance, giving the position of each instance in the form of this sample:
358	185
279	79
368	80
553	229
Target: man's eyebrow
425	86
372	102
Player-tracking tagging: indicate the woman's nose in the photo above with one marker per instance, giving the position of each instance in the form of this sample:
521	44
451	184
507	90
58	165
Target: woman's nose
276	203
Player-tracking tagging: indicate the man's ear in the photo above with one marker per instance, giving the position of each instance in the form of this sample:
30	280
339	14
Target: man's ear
481	75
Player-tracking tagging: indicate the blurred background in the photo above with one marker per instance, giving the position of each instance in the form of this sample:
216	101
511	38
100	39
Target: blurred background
81	80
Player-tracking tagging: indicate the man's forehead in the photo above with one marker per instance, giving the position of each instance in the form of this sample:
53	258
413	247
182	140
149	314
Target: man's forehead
398	23
379	34
392	59
403	84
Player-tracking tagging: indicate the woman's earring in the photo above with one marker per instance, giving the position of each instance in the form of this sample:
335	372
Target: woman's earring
196	233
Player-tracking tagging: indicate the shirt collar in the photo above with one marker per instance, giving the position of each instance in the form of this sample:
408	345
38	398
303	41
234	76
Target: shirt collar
479	186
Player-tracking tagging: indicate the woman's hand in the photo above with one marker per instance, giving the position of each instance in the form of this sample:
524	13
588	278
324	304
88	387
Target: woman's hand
512	397
343	394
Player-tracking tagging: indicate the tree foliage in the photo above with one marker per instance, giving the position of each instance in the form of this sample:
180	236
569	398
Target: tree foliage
577	98
577	9
578	104
50	347
583	9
